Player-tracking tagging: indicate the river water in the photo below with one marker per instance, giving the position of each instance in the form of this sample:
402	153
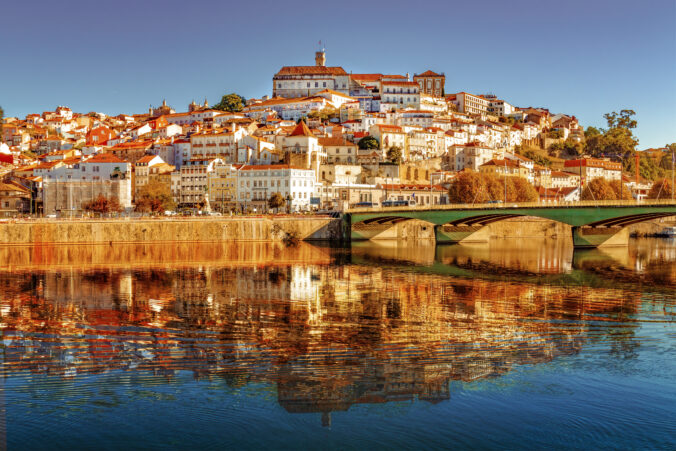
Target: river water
514	344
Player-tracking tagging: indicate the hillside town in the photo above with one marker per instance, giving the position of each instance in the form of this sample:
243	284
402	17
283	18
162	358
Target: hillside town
326	140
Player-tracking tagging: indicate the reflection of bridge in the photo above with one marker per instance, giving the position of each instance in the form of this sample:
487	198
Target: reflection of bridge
593	223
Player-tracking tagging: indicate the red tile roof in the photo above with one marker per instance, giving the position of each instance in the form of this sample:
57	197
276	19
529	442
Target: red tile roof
301	130
428	73
105	158
310	70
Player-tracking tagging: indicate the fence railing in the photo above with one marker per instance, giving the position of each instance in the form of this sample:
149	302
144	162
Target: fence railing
511	205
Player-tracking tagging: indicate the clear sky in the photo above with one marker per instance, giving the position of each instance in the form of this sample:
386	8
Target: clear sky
582	57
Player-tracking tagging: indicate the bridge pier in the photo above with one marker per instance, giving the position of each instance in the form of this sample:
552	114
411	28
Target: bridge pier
587	236
402	230
446	234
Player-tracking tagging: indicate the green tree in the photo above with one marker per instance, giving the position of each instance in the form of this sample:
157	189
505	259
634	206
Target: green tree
154	197
617	141
661	189
598	189
590	132
368	142
231	102
394	154
648	169
623	119
276	201
666	162
325	114
537	158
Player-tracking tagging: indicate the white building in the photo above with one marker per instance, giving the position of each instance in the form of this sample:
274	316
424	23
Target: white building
257	183
304	81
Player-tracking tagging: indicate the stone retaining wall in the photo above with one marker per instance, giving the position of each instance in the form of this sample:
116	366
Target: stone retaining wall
157	230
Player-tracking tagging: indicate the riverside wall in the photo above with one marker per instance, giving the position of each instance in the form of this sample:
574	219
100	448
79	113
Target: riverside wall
274	228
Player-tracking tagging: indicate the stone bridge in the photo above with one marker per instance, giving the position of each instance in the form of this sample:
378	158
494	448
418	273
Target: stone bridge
593	223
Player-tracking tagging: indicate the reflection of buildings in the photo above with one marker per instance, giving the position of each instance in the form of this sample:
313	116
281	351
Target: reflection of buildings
328	336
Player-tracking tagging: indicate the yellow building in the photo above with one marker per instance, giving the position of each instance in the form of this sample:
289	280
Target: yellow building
223	186
151	168
510	168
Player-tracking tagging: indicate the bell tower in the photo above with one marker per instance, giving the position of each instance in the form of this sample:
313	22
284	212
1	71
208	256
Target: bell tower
320	56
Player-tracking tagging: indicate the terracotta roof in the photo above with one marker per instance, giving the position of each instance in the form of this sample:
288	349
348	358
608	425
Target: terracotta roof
366	77
12	187
501	163
390	128
301	130
310	70
105	158
401	83
146	159
428	73
334	141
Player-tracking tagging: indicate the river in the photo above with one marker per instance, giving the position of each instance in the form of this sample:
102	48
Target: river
513	344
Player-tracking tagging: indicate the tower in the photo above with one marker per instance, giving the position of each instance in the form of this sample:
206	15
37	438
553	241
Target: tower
320	58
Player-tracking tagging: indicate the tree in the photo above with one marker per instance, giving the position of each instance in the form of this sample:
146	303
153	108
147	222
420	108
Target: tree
276	201
102	204
394	154
523	190
368	142
2	115
473	187
666	162
590	132
661	189
648	169
231	102
598	189
467	188
617	141
623	119
622	192
537	158
325	114
154	197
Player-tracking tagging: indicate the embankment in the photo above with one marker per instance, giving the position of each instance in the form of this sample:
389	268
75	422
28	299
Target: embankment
162	229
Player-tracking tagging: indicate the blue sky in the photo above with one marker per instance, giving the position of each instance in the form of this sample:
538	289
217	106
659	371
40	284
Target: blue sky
578	57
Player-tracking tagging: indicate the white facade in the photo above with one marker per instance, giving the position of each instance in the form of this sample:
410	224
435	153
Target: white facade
258	183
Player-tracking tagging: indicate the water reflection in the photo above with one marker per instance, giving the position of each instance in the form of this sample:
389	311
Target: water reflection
329	328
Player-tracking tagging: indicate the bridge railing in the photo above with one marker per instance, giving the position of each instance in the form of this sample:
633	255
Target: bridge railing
512	205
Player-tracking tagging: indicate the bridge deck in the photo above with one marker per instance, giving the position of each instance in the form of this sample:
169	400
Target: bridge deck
521	205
